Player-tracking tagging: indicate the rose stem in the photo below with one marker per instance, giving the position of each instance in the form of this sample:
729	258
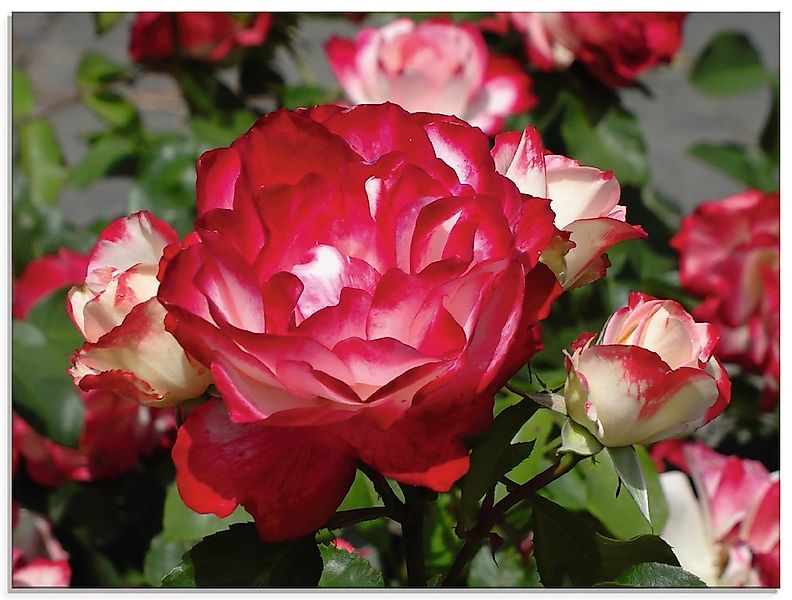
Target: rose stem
488	518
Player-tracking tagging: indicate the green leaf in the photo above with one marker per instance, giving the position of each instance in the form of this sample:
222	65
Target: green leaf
102	156
41	161
616	555
182	524
105	21
619	514
746	166
237	558
42	390
23	98
493	458
609	139
113	109
162	556
538	429
306	96
506	570
96	70
655	575
344	569
564	546
440	541
361	495
729	64
578	440
222	129
770	139
625	461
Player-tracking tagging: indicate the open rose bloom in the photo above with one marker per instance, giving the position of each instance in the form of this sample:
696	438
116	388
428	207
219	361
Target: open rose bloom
37	559
649	375
730	256
128	352
615	47
585	202
728	532
432	66
203	36
363	303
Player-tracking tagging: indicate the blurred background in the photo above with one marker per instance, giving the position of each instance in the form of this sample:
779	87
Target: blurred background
673	114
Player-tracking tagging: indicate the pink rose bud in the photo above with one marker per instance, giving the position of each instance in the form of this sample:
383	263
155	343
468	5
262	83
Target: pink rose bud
128	351
432	66
38	559
585	201
649	375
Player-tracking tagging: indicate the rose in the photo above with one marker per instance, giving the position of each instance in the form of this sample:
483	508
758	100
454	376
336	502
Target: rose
362	303
615	47
116	434
45	275
205	36
585	201
433	66
128	351
729	255
38	560
729	534
116	431
649	375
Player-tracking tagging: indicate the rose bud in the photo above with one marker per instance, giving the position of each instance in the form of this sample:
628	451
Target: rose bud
38	559
432	66
615	47
361	304
585	201
203	36
128	352
649	375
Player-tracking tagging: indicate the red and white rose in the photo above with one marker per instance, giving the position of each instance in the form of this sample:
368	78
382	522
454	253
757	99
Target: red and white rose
362	303
729	255
204	36
585	201
37	558
649	375
432	66
128	352
728	533
615	47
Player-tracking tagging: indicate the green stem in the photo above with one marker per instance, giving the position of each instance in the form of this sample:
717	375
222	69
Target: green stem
488	518
389	497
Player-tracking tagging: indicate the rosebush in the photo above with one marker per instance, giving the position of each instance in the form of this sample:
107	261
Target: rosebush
324	345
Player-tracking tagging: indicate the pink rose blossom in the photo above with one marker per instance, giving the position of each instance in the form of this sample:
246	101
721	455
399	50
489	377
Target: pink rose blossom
432	66
360	303
37	559
585	201
128	352
729	532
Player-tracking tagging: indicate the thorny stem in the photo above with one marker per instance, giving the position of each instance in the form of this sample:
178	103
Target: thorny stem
488	518
392	502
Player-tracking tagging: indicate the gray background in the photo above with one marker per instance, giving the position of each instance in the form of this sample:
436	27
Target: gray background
48	46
